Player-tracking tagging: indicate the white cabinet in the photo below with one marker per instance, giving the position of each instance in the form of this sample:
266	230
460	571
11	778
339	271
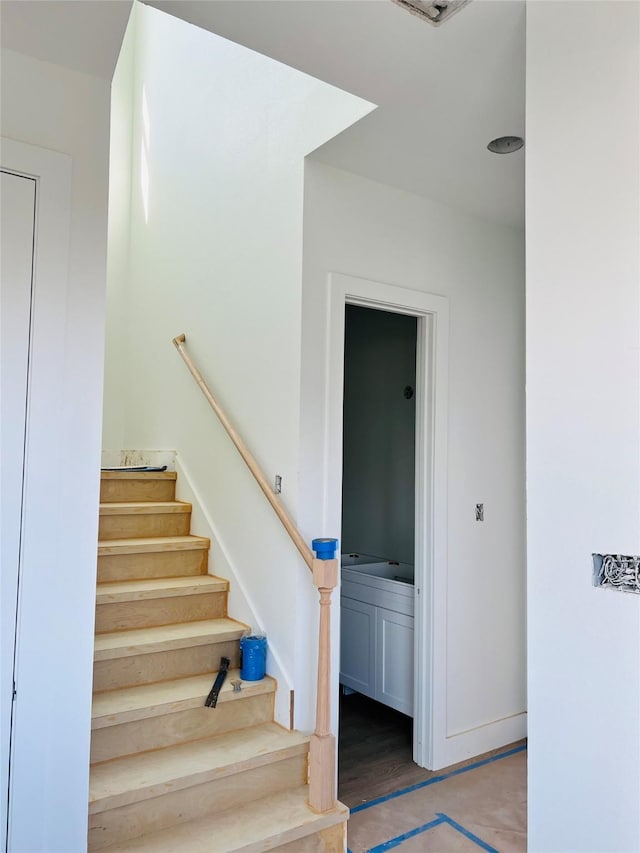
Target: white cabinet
376	639
358	646
394	660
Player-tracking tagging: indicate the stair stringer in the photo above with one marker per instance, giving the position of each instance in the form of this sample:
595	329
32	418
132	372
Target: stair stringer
240	602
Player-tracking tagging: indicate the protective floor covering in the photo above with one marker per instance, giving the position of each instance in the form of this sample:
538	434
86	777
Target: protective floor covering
482	805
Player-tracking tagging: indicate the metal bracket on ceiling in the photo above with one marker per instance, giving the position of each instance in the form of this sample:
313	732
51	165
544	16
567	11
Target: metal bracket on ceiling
435	12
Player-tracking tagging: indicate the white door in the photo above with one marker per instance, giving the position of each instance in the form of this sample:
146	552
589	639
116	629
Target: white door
17	230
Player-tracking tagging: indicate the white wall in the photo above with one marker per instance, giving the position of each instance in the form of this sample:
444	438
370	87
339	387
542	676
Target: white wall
120	159
583	422
219	137
378	487
54	108
360	228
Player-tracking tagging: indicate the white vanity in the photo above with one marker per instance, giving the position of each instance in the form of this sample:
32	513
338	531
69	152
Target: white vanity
376	636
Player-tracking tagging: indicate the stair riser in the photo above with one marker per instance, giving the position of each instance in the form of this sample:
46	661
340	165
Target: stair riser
154	564
139	525
331	840
137	490
191	803
181	726
146	613
160	666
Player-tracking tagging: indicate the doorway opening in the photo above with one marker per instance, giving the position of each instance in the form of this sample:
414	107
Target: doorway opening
378	541
426	316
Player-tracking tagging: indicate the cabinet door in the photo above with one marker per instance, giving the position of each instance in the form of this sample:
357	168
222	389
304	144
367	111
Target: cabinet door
357	645
394	660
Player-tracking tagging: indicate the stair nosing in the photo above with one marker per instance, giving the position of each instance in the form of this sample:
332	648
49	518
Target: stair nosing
293	803
131	648
318	821
144	508
151	589
287	744
102	719
158	476
152	544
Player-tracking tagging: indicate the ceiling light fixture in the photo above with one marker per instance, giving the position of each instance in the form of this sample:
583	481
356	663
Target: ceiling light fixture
434	11
506	144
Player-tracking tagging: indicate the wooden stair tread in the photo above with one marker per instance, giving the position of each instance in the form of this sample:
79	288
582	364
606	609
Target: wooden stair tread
161	760
150	544
127	704
258	826
136	590
150	774
138	475
143	507
118	644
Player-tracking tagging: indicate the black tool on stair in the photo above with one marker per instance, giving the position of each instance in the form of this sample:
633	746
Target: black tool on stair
212	699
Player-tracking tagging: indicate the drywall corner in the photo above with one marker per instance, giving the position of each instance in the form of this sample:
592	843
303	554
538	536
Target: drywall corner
119	227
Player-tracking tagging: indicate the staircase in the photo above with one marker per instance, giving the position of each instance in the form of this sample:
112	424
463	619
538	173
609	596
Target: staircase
167	773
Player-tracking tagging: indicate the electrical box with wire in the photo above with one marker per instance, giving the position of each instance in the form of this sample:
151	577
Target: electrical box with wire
617	571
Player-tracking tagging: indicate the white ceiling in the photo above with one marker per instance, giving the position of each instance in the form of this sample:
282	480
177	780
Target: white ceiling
84	35
443	92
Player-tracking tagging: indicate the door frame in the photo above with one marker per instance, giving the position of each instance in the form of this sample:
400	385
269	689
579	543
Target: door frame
430	641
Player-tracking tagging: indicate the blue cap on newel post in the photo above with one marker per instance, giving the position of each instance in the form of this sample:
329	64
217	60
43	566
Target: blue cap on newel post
325	548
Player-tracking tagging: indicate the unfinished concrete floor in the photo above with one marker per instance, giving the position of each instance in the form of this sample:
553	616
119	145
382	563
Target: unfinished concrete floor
479	804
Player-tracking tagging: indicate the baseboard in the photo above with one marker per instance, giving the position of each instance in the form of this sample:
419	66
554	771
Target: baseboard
468	744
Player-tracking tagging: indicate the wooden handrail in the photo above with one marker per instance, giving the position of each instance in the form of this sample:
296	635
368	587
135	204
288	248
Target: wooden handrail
322	748
243	450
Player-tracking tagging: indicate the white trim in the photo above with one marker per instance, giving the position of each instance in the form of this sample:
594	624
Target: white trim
431	483
42	514
480	739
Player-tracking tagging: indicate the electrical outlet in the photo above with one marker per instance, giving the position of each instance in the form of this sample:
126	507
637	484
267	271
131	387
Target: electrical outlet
479	512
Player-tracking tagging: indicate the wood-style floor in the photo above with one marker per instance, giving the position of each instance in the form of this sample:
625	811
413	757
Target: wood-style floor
375	751
395	803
